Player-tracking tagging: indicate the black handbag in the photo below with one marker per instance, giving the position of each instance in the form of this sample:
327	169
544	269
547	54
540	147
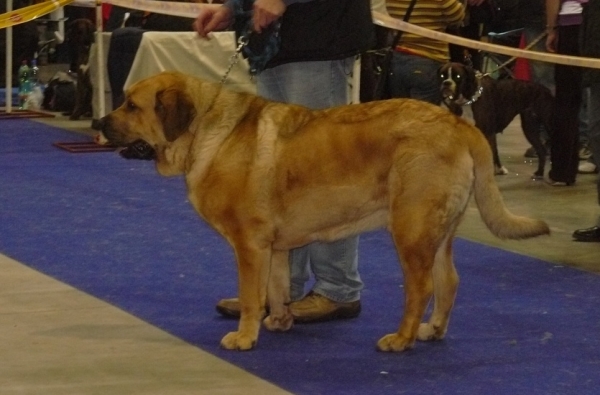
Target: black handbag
376	63
257	48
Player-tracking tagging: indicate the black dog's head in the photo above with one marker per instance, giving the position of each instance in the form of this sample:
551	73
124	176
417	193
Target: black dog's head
458	85
79	36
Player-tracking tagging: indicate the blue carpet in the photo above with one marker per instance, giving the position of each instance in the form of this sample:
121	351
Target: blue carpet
117	230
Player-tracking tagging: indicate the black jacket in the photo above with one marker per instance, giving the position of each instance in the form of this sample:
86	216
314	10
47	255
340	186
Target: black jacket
324	30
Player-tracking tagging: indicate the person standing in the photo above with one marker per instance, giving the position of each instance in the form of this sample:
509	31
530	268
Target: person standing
563	19
590	47
416	59
532	15
320	40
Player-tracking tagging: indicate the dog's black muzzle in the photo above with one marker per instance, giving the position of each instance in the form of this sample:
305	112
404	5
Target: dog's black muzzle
139	149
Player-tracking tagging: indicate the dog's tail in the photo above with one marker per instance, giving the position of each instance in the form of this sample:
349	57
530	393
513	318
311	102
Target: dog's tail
501	222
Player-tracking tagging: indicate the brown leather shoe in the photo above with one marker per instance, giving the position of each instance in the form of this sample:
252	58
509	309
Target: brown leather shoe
312	308
229	307
317	308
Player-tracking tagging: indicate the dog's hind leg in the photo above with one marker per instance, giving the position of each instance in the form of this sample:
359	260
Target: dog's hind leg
416	238
445	286
280	317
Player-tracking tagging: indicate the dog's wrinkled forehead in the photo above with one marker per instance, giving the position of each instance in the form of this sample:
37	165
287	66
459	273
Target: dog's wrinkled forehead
452	72
143	91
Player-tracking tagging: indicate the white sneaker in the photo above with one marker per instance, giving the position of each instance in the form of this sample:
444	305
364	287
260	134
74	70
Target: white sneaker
584	153
587	168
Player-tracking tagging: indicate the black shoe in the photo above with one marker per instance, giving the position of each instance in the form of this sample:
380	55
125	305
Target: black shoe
530	153
590	234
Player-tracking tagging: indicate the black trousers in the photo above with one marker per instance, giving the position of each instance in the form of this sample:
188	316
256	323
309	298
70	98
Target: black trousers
124	43
565	134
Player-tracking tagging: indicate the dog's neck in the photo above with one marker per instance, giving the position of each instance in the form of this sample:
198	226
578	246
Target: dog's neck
478	90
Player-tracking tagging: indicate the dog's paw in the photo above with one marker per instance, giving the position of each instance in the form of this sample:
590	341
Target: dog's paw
279	324
429	332
238	341
394	343
100	139
501	171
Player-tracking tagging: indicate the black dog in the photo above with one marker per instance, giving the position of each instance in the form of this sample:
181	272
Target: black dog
80	37
495	103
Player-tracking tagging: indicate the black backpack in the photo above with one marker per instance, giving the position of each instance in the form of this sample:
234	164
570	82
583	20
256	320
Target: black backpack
60	93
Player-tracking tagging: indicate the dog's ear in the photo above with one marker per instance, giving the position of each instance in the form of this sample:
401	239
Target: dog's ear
176	111
441	70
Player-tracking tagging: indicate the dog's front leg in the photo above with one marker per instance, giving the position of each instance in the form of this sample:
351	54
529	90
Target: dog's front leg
280	317
253	270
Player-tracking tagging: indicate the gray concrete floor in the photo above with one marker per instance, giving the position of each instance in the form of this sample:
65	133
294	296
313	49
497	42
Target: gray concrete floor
57	340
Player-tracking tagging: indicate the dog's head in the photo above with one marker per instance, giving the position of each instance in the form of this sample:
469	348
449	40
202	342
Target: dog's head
449	75
80	35
157	111
458	84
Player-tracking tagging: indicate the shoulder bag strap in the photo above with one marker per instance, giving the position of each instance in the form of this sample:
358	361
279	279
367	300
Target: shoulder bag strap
405	19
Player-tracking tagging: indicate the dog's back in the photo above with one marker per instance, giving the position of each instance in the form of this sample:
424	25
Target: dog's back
508	98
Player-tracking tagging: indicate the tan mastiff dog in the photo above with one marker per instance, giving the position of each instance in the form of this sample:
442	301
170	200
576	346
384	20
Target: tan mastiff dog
270	177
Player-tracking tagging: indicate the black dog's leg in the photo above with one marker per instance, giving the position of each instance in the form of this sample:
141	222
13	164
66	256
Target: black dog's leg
83	94
499	169
530	124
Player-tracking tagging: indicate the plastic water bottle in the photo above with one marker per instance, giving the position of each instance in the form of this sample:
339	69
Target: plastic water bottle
24	84
36	93
34	77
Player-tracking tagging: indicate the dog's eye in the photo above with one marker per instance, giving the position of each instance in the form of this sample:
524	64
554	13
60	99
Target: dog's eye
131	105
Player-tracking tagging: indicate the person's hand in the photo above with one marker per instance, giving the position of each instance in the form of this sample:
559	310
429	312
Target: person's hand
551	40
266	12
212	18
475	2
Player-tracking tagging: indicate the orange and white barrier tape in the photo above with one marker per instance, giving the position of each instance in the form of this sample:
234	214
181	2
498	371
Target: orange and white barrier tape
30	13
396	24
188	10
191	10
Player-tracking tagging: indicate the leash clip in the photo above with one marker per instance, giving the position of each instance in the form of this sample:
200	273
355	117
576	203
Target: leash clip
242	42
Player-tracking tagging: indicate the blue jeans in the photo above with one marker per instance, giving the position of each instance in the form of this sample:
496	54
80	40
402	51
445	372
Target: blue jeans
317	85
416	77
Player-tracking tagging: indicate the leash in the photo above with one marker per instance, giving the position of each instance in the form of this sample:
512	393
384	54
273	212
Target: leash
528	47
242	42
